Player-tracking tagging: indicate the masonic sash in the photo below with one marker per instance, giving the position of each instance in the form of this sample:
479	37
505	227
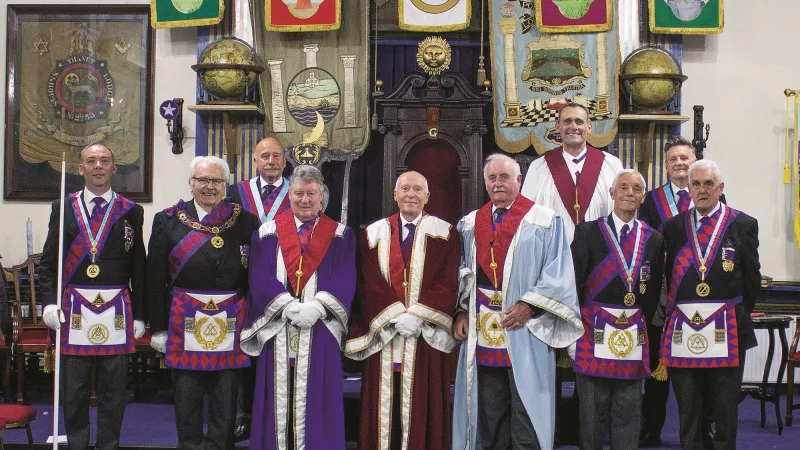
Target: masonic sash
98	321
302	264
492	348
266	210
614	342
94	232
666	207
204	329
220	219
701	332
575	198
624	260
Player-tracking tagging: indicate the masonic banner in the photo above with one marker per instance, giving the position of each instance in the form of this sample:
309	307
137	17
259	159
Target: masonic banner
185	13
434	15
316	77
573	16
535	74
303	15
686	16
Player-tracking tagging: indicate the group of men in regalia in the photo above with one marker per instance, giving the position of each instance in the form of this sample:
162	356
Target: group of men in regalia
253	295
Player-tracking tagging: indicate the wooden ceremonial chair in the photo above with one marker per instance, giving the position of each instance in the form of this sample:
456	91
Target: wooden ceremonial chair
29	333
5	345
792	363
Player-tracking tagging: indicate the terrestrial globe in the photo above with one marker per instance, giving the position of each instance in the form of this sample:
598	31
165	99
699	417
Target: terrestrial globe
651	79
228	68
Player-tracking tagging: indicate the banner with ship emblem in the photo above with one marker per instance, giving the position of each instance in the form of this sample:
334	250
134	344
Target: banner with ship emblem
185	13
434	15
535	74
317	80
304	15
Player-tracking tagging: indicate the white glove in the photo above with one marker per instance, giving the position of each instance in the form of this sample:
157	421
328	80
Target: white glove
407	325
52	317
290	311
309	314
159	342
138	329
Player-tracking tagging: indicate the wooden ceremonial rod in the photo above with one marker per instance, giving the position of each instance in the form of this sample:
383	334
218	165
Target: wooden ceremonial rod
59	289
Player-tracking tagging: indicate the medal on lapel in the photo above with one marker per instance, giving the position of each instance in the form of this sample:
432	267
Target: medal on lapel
728	254
496	299
93	270
644	277
629	299
217	242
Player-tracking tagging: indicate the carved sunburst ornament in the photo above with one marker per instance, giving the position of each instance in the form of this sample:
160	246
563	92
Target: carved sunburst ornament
433	55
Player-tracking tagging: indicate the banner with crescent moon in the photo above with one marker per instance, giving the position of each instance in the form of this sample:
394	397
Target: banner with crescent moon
534	74
303	15
316	84
185	13
434	15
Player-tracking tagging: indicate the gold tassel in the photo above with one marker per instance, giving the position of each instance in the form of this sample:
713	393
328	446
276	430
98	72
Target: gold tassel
481	72
564	360
49	361
786	176
161	364
660	374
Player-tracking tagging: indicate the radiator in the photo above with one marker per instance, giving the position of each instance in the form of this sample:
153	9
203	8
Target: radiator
757	356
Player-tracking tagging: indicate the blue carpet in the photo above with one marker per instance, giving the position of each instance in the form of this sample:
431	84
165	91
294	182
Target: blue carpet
152	424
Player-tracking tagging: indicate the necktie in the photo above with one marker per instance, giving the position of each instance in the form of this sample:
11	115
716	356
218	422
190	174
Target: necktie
704	231
623	233
267	190
683	201
408	243
304	233
497	216
98	206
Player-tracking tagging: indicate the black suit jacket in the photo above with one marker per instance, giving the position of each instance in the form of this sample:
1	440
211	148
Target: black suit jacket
744	280
589	249
118	267
209	269
649	214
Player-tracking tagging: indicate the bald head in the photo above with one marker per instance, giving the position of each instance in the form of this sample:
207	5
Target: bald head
269	159
411	194
97	167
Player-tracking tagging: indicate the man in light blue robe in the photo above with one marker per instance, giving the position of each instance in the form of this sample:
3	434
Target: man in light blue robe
517	304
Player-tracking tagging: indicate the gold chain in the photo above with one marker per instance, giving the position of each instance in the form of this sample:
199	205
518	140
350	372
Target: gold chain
186	220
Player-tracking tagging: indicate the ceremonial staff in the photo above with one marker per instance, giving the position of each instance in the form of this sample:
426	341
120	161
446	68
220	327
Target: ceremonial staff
59	289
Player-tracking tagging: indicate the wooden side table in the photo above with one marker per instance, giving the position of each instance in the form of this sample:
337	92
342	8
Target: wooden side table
773	324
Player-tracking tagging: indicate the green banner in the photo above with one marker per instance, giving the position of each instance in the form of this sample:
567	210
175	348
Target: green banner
686	16
185	13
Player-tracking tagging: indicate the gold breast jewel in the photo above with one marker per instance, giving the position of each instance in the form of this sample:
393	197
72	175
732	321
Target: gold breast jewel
630	297
93	270
703	289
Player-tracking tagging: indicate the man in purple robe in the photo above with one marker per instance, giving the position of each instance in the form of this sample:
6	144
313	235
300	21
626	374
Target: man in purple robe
302	275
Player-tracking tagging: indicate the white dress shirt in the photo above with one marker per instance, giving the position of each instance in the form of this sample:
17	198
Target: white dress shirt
698	217
403	223
88	198
573	167
618	223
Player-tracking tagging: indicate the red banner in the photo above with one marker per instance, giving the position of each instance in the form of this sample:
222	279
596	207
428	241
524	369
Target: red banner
303	15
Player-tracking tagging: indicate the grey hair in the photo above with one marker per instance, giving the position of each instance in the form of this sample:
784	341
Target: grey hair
397	183
705	164
211	160
573	105
504	158
624	171
310	174
677	141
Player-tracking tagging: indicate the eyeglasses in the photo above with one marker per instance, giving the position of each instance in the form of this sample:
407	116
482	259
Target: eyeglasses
217	182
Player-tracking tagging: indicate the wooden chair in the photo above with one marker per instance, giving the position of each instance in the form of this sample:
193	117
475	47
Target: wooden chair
18	416
792	363
29	333
5	344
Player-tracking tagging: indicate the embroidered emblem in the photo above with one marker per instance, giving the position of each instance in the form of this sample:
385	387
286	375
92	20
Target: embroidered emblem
210	333
496	300
231	325
76	322
99	300
622	319
620	343
697	319
599	336
98	334
211	305
128	237
294	342
640	338
492	331
728	254
188	325
677	337
697	344
244	250
719	336
119	322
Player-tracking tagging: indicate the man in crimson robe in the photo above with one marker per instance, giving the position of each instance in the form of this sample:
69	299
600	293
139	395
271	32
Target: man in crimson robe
408	283
574	179
302	281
